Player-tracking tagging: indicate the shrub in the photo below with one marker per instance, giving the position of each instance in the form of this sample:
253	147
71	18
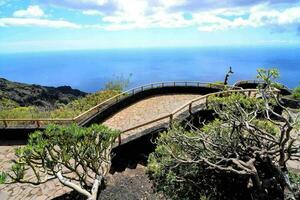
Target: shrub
118	84
78	157
74	108
242	154
296	93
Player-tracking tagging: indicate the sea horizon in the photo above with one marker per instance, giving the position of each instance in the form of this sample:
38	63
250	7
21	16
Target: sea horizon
89	70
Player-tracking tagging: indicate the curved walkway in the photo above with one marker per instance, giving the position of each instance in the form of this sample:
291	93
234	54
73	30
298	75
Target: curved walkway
147	109
114	104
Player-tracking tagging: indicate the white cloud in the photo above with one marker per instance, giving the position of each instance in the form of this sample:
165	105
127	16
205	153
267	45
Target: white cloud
37	22
97	2
30	12
171	3
140	14
257	17
92	12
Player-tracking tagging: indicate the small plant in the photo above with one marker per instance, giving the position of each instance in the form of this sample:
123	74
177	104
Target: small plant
2	177
296	93
119	83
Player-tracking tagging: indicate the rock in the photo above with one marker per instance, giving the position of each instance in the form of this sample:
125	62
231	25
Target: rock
3	195
36	95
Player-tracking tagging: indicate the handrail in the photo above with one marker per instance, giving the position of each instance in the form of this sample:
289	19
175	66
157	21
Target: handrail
142	88
248	81
117	98
189	104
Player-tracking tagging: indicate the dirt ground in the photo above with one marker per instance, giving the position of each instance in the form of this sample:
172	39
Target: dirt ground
131	184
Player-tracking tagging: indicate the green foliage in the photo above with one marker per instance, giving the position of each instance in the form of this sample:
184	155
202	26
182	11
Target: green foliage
230	104
218	84
294	178
7	104
268	76
74	108
119	84
176	181
278	86
22	112
296	93
175	169
18	170
231	156
83	104
2	177
85	152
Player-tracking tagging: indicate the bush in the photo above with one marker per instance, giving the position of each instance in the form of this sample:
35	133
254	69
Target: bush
119	83
6	104
83	104
12	111
78	157
296	93
242	154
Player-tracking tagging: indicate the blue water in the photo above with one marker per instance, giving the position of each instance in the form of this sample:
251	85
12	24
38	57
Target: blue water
90	70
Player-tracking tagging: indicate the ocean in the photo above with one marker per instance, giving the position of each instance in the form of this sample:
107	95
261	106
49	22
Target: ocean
89	70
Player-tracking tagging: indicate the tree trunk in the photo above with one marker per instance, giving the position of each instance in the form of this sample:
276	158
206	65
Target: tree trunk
95	188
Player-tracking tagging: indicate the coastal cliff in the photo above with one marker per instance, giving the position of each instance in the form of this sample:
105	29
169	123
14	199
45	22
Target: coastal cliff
37	95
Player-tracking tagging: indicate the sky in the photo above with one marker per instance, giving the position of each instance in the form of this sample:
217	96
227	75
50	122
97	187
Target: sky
58	25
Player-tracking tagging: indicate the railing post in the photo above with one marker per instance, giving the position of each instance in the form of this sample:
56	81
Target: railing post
198	84
119	139
171	118
38	123
174	83
151	86
206	102
5	124
142	88
249	94
190	108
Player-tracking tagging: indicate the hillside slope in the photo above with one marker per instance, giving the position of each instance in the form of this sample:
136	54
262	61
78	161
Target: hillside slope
36	95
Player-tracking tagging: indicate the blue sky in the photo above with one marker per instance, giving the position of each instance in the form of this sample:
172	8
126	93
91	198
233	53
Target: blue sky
55	25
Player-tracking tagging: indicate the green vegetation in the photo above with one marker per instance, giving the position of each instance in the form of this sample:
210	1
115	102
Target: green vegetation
83	104
7	104
218	84
241	154
11	110
120	83
36	95
296	93
78	157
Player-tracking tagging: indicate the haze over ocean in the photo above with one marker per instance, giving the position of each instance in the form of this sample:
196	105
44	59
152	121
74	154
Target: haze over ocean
90	70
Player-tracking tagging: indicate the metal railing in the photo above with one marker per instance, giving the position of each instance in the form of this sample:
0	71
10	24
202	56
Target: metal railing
188	106
81	118
247	82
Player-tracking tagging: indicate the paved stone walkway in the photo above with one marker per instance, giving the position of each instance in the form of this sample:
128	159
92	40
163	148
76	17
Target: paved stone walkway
147	110
142	111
